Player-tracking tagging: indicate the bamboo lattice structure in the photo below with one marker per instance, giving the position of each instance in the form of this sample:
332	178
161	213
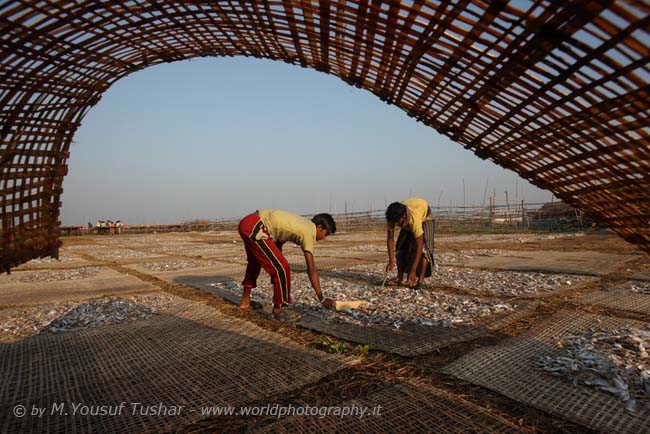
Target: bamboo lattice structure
555	90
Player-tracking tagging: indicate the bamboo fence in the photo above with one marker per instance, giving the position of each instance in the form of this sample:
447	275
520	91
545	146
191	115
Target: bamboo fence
524	217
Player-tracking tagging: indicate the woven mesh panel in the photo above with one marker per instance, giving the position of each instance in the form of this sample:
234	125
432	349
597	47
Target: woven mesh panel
106	282
581	263
297	263
555	90
117	254
411	339
509	369
191	356
409	407
620	299
215	268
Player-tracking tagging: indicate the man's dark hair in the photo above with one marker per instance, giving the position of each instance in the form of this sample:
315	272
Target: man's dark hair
326	221
395	211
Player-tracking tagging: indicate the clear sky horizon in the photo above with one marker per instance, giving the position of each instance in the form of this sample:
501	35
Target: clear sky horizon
217	138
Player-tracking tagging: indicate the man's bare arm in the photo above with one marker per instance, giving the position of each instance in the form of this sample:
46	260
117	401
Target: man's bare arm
390	245
312	272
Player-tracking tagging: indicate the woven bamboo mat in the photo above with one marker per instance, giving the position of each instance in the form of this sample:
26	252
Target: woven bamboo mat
106	282
207	279
643	275
510	369
623	299
411	339
214	268
116	254
231	251
409	407
326	263
582	263
347	253
66	260
235	271
190	356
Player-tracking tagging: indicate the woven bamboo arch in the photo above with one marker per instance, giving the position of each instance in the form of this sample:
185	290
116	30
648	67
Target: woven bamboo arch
557	91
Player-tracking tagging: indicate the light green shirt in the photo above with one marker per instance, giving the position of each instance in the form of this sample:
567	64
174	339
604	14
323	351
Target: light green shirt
285	226
416	215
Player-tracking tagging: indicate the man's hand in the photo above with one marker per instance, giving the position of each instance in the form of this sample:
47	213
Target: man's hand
390	266
328	303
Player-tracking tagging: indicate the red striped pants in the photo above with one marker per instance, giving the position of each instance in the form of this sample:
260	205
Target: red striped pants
261	251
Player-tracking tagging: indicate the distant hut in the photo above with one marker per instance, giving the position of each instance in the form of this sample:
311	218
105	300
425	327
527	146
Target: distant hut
557	215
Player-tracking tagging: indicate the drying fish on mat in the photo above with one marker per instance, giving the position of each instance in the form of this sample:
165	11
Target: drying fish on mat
632	287
63	257
616	361
459	257
503	238
176	264
53	275
640	290
73	315
387	306
107	254
495	282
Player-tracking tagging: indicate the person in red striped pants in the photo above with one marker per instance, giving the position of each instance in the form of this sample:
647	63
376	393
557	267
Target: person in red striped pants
264	232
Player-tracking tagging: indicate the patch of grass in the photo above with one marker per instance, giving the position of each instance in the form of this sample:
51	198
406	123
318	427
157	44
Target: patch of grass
362	350
328	345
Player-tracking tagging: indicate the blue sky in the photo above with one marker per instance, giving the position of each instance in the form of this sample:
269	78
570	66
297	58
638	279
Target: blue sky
220	137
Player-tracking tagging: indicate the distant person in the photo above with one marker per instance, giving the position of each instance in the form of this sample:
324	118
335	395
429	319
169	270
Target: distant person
414	246
118	227
264	233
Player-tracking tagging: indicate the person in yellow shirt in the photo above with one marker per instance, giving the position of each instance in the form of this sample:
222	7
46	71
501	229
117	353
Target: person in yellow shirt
415	242
264	232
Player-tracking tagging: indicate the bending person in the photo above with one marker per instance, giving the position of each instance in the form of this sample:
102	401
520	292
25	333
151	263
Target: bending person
264	232
413	251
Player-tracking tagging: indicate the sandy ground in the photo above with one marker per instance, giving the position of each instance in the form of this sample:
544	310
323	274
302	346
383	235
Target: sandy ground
36	294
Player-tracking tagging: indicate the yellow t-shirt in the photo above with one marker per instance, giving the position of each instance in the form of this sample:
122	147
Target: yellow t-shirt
285	226
416	215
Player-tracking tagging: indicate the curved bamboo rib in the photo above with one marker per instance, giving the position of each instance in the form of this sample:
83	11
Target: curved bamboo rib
554	90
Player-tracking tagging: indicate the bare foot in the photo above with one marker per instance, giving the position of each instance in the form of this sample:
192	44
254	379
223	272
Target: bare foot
245	303
281	316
